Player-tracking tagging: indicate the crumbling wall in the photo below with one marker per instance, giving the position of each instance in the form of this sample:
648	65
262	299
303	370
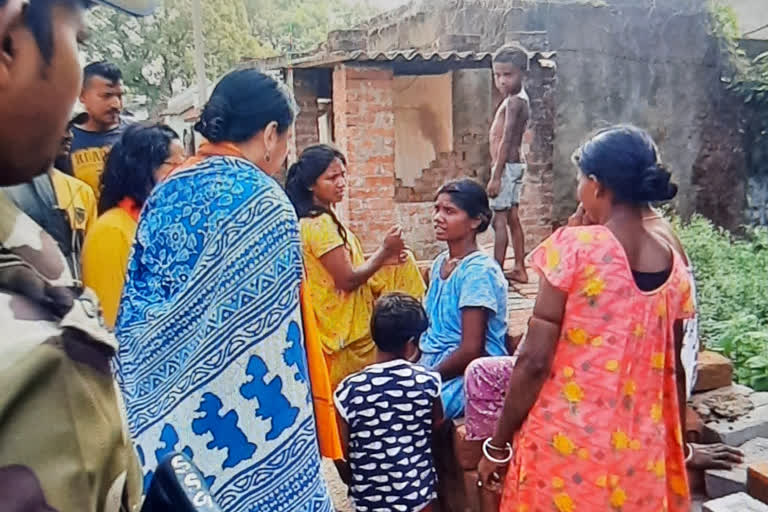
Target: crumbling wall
652	63
474	105
423	122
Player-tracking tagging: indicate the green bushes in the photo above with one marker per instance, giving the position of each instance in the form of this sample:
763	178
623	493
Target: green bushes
732	280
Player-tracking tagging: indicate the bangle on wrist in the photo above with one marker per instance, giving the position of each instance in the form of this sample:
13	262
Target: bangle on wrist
690	453
487	445
495	448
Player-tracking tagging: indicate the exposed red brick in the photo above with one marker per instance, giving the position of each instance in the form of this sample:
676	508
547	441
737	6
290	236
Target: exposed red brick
365	131
305	93
715	371
757	481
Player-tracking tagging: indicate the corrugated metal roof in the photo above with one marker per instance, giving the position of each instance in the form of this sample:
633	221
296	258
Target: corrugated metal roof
411	55
390	56
398	56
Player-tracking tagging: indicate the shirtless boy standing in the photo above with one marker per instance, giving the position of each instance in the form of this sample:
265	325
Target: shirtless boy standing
509	67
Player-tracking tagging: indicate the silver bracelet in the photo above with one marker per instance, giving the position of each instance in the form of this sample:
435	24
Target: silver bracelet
690	453
487	444
494	447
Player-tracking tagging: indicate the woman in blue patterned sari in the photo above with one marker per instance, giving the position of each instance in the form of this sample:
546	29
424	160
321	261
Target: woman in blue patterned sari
211	358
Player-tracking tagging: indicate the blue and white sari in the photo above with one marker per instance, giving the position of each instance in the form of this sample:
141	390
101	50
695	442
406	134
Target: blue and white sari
211	359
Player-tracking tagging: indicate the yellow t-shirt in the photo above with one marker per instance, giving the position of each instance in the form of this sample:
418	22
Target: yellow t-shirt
89	154
342	317
105	258
88	164
76	198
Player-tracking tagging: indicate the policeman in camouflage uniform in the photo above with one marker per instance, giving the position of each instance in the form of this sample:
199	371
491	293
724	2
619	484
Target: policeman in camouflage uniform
64	445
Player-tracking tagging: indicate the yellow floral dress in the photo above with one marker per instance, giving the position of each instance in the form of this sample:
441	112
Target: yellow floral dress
604	433
343	318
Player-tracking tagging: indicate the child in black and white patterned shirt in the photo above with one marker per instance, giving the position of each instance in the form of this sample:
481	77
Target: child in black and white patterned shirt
387	413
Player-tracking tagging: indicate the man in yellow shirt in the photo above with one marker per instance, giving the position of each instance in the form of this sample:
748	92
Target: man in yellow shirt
64	206
102	97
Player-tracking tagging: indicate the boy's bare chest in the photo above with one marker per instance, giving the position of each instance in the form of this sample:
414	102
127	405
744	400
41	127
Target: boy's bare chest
497	127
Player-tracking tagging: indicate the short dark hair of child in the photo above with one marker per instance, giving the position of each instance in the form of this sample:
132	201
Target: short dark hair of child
512	54
397	319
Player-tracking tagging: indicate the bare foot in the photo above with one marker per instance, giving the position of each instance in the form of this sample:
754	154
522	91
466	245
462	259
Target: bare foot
519	275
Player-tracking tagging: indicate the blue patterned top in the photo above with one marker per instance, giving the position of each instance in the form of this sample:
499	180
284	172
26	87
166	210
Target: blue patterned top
211	359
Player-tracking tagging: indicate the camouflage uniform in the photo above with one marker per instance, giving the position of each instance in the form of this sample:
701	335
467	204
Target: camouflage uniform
62	423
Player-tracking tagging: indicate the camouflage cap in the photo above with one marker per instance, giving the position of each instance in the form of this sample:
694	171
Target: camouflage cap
135	7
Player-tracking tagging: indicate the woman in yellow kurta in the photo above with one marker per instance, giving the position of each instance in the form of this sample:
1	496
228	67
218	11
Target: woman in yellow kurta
142	157
342	283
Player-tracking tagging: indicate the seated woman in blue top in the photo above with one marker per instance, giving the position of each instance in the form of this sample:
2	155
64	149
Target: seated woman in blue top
467	298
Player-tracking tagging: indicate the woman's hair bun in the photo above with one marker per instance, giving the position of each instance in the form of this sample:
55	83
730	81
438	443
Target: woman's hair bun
213	121
656	184
626	160
242	104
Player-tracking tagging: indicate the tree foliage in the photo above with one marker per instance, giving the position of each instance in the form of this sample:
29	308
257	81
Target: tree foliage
295	26
156	54
748	77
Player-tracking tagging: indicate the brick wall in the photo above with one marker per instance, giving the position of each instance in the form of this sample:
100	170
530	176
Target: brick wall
365	131
470	158
418	231
536	204
305	89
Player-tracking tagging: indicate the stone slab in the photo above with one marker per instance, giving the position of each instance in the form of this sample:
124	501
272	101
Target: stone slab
734	433
740	502
759	398
733	389
721	482
737	388
715	371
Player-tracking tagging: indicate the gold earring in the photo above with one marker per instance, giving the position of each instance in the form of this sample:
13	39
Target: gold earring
267	157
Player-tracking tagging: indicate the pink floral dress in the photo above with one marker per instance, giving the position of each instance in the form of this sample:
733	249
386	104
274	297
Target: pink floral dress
604	433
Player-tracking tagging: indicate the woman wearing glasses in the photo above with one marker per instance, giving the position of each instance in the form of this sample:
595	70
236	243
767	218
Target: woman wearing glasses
143	157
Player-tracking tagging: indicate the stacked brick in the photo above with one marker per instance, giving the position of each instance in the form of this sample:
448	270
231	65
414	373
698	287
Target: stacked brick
364	126
305	93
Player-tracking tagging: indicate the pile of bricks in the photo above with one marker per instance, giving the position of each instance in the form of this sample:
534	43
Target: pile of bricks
723	412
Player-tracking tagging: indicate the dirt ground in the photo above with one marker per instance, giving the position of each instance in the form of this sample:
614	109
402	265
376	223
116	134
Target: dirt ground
336	487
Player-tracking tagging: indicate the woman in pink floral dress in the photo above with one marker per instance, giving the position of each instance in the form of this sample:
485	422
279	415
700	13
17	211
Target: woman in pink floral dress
595	402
